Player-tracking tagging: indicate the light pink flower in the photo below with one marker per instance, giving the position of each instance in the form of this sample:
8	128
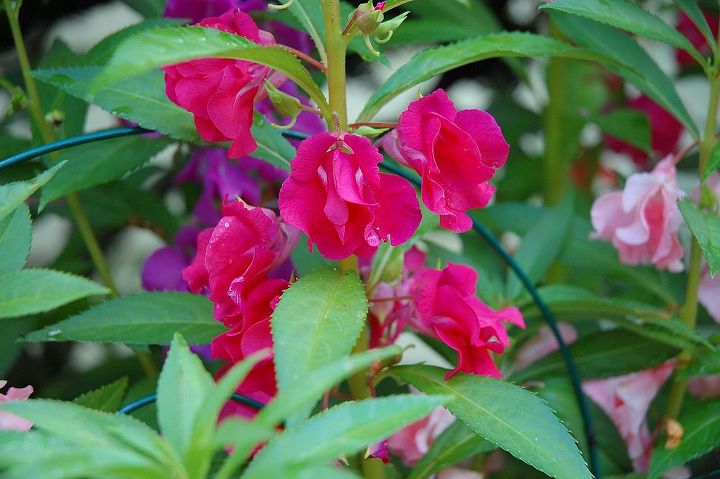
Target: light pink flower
9	421
458	473
626	400
337	197
219	92
543	344
705	387
642	221
454	152
414	440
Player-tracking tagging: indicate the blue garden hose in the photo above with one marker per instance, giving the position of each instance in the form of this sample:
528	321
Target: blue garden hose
145	400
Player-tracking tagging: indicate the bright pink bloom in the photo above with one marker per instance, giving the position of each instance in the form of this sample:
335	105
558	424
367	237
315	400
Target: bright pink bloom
642	221
687	27
543	344
665	131
705	387
237	255
626	400
454	152
219	92
414	440
448	308
337	197
8	421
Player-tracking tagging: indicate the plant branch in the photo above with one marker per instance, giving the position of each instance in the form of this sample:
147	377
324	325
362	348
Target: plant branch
336	48
305	57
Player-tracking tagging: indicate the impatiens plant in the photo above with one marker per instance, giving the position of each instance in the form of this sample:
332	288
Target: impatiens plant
342	287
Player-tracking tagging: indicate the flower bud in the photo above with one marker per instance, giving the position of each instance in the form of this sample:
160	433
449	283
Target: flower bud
368	17
285	105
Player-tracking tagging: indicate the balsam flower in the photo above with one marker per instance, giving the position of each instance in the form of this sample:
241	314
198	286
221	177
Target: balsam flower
9	421
454	152
642	221
413	441
543	344
220	93
337	197
688	29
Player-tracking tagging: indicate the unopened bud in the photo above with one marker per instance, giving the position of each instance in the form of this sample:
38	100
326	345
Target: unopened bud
370	132
55	118
385	30
368	17
285	105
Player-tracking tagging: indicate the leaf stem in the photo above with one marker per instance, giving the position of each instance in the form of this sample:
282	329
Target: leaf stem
305	57
336	48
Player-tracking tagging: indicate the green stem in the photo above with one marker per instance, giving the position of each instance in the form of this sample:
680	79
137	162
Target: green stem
336	48
688	314
36	111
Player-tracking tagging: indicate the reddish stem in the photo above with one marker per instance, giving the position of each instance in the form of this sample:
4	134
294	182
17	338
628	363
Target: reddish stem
305	57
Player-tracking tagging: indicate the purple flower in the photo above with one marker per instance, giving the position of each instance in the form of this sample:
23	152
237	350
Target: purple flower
162	270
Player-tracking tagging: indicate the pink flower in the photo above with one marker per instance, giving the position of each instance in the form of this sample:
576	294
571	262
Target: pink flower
414	440
687	27
709	294
454	152
8	421
337	197
642	221
626	400
448	308
665	131
705	387
237	255
219	92
459	473
543	344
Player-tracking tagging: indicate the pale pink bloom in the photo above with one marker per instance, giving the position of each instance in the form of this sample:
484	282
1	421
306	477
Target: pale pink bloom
458	473
626	400
414	440
705	387
543	344
8	421
642	221
709	294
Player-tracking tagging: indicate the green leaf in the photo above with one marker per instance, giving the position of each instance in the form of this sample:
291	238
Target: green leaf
703	363
630	126
12	195
242	436
318	320
309	14
625	15
272	146
435	61
455	444
107	398
633	63
100	162
600	355
300	395
541	245
507	415
144	318
151	49
140	99
692	10
702	435
15	238
147	8
31	291
705	227
341	430
713	162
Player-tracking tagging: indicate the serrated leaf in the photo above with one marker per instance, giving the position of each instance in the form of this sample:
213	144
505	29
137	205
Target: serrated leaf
630	126
692	10
702	434
341	430
455	444
15	238
625	15
12	195
271	145
31	291
151	49
144	318
604	354
434	61
632	62
705	227
317	320
507	415
100	162
242	436
107	398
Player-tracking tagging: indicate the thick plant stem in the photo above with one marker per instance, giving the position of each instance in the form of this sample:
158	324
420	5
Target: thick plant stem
36	111
688	314
336	48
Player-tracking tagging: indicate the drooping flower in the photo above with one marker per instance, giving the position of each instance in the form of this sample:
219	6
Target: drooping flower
337	197
413	441
665	131
454	152
220	93
447	308
9	421
543	344
642	221
626	399
688	29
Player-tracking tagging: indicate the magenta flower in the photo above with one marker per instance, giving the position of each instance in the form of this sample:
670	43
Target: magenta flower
9	421
196	10
642	221
337	197
687	27
454	152
447	308
220	93
626	400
